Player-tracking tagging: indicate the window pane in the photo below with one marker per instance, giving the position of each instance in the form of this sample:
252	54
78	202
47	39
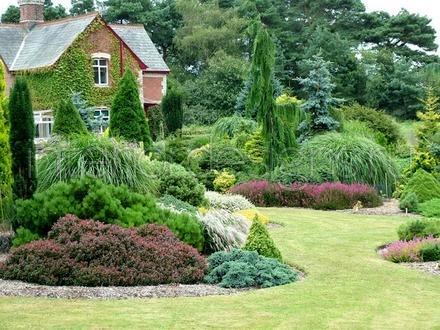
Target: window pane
103	76
103	62
95	62
96	75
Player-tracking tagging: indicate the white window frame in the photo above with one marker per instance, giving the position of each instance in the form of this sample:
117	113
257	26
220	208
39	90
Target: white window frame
44	121
102	128
96	64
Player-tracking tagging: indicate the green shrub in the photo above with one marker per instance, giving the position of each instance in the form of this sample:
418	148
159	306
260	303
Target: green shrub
233	126
114	162
376	120
175	204
430	209
156	122
419	229
68	120
224	181
172	150
260	241
241	269
424	185
23	236
410	202
361	129
430	252
222	156
89	198
350	159
175	180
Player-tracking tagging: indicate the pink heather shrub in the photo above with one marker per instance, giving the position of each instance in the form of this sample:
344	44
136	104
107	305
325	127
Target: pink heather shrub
407	251
325	196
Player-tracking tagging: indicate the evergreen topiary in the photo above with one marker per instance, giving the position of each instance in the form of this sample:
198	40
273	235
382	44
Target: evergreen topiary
127	118
259	240
21	140
68	121
172	108
424	185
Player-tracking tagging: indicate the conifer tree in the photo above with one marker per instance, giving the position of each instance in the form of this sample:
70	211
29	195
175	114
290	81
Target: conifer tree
5	150
261	98
318	87
172	108
127	119
259	240
68	121
21	140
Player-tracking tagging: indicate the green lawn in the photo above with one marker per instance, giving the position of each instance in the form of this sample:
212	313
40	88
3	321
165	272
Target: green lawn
348	286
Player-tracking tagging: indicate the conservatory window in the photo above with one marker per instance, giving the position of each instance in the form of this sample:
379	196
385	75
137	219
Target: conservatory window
43	124
100	69
102	115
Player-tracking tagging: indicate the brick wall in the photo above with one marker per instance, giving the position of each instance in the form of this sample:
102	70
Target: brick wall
154	87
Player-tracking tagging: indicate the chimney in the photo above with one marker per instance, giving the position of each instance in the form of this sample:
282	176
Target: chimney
31	12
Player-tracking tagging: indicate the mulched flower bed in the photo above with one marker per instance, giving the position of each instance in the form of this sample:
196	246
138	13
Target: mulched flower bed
428	267
21	289
389	207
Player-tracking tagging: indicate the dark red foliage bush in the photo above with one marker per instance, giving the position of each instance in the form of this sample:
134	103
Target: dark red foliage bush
91	253
325	196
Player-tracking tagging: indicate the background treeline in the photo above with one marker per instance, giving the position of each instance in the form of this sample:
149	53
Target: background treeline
377	59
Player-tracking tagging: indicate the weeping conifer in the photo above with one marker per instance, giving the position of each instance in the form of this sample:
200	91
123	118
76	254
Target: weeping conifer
172	108
261	97
128	120
21	140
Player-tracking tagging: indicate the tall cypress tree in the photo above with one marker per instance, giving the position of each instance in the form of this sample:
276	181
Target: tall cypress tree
68	120
261	98
127	119
172	108
5	150
21	140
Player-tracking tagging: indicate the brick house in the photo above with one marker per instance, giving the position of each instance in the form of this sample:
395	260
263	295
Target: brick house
81	54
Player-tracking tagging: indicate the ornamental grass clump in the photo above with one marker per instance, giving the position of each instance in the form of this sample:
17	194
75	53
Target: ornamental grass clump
91	253
260	241
223	230
229	202
408	251
351	159
114	162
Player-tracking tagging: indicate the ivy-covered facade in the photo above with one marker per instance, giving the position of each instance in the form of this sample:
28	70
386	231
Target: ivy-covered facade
80	54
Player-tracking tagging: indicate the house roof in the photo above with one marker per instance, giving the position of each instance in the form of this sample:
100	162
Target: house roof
42	46
139	42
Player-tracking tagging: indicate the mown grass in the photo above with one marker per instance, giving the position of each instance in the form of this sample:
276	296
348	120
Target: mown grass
348	287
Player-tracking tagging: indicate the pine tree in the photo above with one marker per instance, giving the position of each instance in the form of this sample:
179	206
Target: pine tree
172	108
21	140
68	121
261	98
127	119
318	87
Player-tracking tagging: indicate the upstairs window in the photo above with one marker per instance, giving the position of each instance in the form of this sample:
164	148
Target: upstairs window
100	69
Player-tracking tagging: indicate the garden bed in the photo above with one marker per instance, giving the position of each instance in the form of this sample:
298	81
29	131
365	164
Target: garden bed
389	207
22	289
428	267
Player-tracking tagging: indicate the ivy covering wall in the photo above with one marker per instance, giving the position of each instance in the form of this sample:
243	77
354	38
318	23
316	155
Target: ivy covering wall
74	73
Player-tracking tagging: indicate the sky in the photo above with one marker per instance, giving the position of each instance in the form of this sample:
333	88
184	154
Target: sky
430	8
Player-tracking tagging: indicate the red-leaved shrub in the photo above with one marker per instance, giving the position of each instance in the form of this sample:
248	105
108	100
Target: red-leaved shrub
91	253
325	196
